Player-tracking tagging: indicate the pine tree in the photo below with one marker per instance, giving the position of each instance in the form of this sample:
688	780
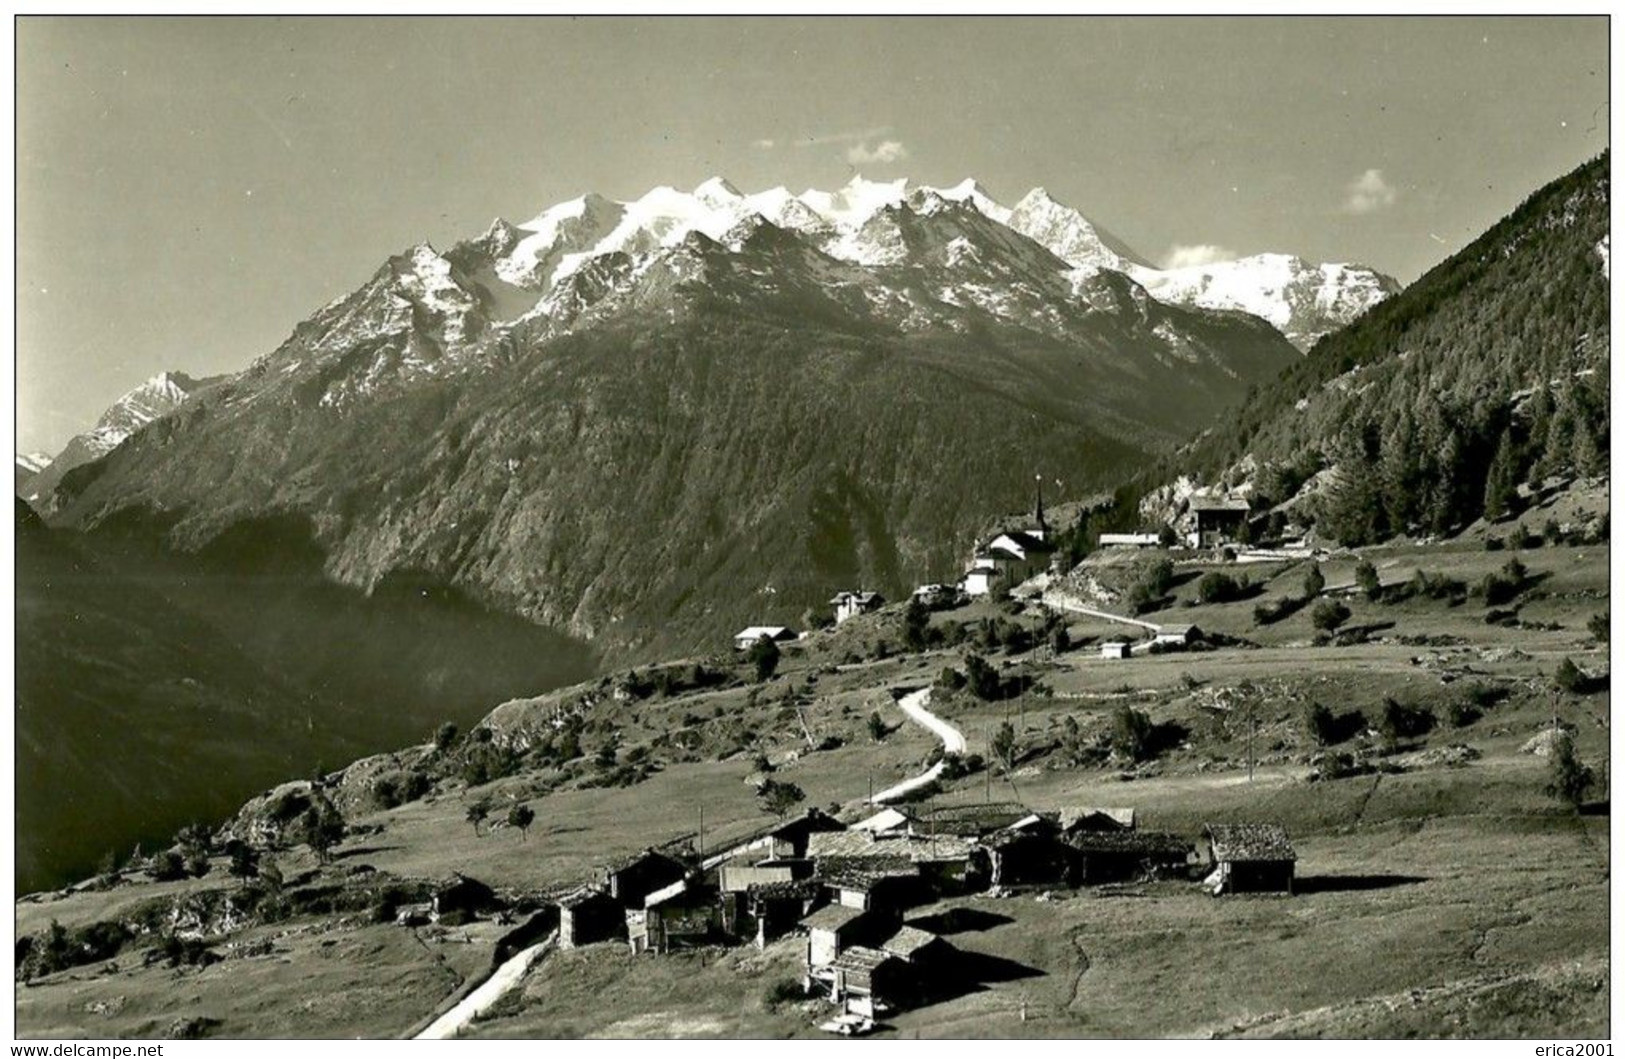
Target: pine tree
1501	485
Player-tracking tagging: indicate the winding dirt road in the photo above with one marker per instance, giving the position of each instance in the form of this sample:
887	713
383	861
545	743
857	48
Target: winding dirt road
953	742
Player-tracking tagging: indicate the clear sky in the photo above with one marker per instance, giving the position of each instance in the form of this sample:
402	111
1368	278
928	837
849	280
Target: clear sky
188	190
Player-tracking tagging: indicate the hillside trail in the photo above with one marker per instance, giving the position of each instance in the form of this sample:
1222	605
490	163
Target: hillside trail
913	706
487	993
1058	602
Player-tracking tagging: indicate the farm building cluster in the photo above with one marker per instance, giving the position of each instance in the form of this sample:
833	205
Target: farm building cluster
847	889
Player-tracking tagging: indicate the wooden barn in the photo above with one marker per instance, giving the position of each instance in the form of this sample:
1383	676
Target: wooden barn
866	981
1028	857
832	930
632	879
769	911
588	915
872	883
678	916
1118	856
785	840
1250	858
1077	818
460	895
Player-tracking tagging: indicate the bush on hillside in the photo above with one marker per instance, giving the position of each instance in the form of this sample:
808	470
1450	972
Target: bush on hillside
1329	614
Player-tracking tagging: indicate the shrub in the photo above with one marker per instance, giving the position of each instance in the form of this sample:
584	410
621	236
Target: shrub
1568	676
1154	584
1597	626
186	952
950	679
1365	576
1342	765
778	797
1131	733
916	626
1060	641
877	727
1003	746
1216	587
1313	581
1329	614
1437	586
1571	779
1551	533
1400	721
521	816
168	866
1321	725
764	658
1461	713
982	678
1484	695
1493	544
784	991
1504	586
1518	539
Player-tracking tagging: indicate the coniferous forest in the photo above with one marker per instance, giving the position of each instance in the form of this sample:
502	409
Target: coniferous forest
1489	371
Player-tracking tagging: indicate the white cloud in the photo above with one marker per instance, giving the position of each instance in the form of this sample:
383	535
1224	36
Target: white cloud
1182	256
849	136
764	144
884	152
1369	192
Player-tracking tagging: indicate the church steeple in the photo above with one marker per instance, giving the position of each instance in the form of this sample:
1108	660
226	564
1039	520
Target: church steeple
1038	508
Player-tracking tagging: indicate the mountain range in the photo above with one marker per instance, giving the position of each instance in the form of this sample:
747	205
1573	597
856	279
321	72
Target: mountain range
38	473
646	421
567	259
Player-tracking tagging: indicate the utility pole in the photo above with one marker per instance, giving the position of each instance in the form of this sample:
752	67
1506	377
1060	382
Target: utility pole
702	832
1252	729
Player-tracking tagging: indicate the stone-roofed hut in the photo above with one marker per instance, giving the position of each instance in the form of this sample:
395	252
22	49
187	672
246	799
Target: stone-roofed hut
1250	858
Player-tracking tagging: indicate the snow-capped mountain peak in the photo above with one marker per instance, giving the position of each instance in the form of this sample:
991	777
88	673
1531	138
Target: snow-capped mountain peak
1302	299
968	190
717	193
33	462
856	202
1068	234
865	223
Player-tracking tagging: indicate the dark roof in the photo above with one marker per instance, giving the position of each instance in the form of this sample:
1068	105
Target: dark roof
580	896
969	819
861	958
842	844
1096	818
831	917
1001	839
457	881
861	874
908	941
797	888
1250	842
1129	842
1026	540
811	819
1227	503
620	864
